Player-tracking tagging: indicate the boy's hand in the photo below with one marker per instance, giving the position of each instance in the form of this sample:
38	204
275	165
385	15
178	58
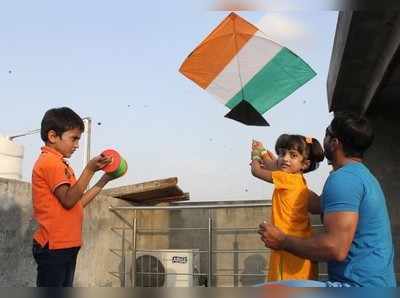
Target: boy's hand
97	163
104	179
107	178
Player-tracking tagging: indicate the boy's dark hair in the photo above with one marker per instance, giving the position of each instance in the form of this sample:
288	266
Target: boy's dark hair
312	151
353	131
60	120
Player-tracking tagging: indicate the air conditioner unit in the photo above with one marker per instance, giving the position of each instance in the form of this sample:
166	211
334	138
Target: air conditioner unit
167	268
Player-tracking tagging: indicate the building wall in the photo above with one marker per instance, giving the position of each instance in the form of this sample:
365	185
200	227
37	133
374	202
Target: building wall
95	261
98	266
231	262
231	240
17	267
383	159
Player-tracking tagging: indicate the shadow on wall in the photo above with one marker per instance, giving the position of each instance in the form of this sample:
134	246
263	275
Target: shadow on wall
254	264
17	266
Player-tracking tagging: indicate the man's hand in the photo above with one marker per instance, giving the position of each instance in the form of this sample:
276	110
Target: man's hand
98	163
271	236
332	245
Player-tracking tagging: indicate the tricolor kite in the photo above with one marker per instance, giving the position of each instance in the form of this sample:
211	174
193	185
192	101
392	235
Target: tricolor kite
245	70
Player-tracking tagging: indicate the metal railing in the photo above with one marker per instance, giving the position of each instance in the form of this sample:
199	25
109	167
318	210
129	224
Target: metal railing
210	251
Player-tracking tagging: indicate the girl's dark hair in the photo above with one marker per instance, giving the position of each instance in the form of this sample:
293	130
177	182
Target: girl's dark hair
312	151
60	120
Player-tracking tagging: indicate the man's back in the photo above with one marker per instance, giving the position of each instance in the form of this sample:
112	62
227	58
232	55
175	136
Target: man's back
353	188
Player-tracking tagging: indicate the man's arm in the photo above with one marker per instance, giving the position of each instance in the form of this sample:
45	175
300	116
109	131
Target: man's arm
334	244
314	205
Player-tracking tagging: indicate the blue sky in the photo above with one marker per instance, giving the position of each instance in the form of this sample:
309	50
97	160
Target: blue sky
117	62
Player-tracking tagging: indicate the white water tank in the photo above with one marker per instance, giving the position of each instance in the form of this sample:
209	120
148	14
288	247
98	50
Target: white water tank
11	155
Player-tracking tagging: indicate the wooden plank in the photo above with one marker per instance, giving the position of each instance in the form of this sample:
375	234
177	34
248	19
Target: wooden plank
150	192
158	193
183	197
138	188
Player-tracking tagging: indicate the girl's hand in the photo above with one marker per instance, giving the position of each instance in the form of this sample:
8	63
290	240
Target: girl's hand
268	155
259	152
255	164
257	145
255	155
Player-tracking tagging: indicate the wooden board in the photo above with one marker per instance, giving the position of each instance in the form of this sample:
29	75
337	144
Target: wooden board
150	192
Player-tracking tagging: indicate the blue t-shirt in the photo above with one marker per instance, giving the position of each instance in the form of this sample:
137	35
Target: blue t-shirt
369	262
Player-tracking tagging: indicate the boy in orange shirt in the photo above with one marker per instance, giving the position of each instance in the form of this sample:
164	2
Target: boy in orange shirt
58	198
296	155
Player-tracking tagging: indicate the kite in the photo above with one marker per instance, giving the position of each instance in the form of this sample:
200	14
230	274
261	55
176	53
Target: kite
245	70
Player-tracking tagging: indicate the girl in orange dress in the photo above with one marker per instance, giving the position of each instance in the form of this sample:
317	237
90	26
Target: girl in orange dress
296	155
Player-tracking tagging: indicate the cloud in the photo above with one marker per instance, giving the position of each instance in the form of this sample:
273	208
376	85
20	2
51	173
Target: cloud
274	5
236	5
283	28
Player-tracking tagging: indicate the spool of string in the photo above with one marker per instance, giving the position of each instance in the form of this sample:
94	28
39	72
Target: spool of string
118	165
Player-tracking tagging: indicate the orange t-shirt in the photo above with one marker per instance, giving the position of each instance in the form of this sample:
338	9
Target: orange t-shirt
290	214
60	227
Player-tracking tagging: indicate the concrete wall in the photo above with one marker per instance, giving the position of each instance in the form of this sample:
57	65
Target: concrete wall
99	267
17	267
228	263
147	221
225	263
383	159
243	263
95	261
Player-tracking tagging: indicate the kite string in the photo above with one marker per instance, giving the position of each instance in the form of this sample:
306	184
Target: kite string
237	58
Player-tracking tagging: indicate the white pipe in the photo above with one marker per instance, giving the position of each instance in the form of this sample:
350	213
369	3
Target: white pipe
31	132
87	139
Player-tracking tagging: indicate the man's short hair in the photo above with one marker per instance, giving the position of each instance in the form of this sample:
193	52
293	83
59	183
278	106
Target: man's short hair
354	132
60	120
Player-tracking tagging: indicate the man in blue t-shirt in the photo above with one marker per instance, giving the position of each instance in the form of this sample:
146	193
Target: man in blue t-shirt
357	243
